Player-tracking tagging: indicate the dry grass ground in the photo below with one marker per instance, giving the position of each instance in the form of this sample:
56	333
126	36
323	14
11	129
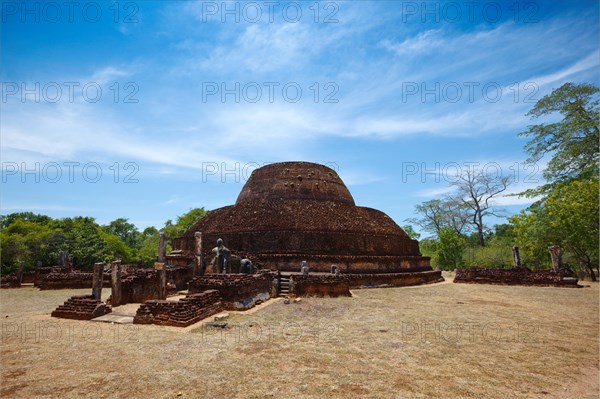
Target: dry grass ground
445	340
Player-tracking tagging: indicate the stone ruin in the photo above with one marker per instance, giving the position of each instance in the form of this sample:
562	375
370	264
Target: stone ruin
238	291
292	221
558	276
86	307
293	212
182	313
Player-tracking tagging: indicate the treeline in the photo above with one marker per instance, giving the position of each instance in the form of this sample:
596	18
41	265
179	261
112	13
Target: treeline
565	211
37	240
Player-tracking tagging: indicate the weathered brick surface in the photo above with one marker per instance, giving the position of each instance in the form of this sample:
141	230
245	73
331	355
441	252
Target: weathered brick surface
293	211
516	276
182	313
82	307
233	287
394	279
29	277
321	285
236	290
55	281
9	281
138	286
180	275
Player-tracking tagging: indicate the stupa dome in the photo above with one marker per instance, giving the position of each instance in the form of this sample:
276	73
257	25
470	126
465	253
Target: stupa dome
293	211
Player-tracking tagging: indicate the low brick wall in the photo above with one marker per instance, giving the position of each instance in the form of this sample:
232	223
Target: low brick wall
321	285
9	281
29	277
394	279
182	313
82	307
238	291
56	281
139	286
180	276
516	276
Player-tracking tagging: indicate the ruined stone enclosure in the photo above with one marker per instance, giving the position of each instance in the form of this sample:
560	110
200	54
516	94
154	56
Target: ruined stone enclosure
291	212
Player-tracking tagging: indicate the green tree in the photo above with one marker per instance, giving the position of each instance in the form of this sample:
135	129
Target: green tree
450	249
573	215
149	248
84	240
571	142
183	223
437	214
28	241
533	235
408	229
115	248
7	220
476	190
126	231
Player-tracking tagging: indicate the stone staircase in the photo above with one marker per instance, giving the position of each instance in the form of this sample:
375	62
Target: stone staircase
81	307
284	286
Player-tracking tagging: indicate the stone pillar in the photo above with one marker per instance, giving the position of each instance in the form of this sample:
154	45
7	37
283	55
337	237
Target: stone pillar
97	280
556	257
63	258
162	248
116	283
38	265
516	257
198	254
161	281
20	272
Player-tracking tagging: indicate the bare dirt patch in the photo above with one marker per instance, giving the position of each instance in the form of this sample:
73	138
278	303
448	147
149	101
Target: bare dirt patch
443	340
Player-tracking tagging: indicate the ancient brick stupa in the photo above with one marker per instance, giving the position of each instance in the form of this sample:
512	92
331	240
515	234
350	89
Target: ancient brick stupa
293	211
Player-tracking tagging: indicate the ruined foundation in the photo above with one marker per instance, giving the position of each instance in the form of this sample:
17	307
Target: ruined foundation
82	307
516	276
182	313
238	291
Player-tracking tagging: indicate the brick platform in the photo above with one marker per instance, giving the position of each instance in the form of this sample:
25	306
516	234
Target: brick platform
516	276
394	279
321	285
82	307
238	291
182	313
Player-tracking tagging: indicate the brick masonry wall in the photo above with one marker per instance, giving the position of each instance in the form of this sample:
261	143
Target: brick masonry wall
56	281
182	313
394	279
237	290
9	281
515	276
321	285
180	275
82	307
139	286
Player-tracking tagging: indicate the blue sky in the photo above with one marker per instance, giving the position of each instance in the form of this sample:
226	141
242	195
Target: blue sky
184	99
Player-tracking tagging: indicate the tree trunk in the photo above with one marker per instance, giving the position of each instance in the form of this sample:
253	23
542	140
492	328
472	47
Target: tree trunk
591	271
480	231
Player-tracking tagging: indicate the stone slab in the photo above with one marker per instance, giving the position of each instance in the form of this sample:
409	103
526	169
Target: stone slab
115	318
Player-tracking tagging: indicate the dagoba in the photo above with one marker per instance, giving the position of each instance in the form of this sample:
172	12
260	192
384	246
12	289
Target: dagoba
291	212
